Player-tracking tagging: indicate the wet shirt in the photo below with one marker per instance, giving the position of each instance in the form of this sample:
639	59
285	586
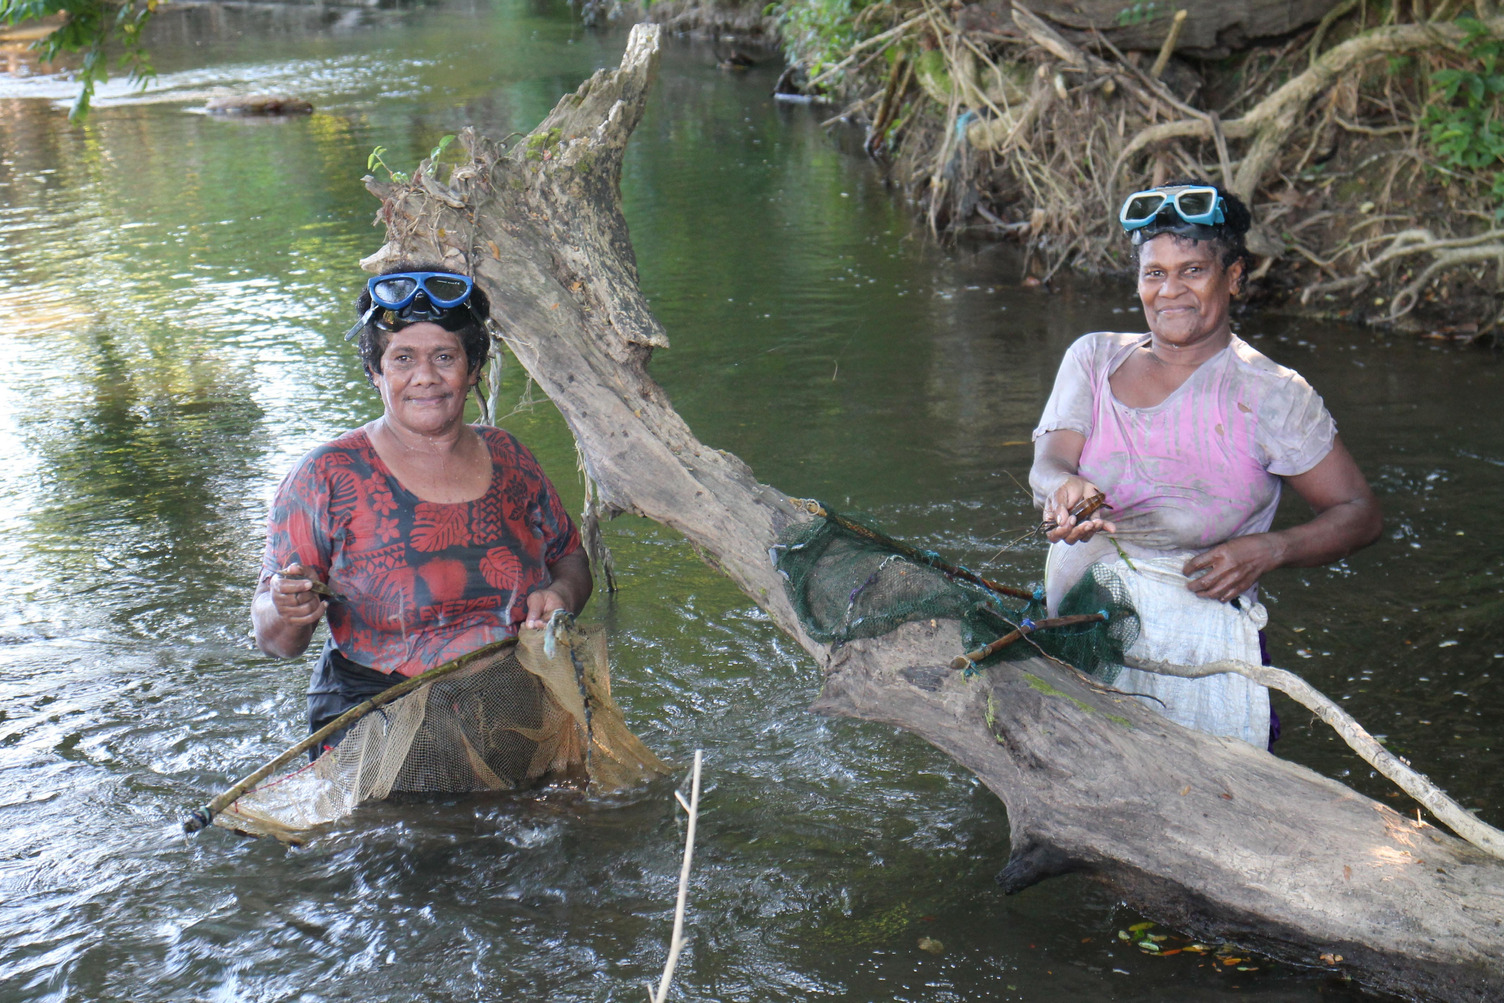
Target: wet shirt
1203	465
425	582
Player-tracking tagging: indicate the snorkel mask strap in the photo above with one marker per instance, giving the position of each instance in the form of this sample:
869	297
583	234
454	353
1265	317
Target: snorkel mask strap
360	324
1177	226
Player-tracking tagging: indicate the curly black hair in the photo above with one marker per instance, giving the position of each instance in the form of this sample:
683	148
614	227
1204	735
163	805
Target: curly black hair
473	336
1229	236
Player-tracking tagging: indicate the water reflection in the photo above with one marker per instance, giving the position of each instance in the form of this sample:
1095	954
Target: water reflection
175	286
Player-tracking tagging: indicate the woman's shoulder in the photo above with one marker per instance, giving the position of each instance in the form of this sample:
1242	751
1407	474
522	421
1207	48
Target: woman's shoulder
1259	367
505	448
1109	339
498	440
353	448
1097	350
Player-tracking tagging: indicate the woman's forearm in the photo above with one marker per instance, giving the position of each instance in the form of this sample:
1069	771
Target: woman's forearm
572	580
1057	458
1331	535
1347	513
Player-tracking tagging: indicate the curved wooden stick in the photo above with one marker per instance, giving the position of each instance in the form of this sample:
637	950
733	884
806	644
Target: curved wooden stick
1022	630
200	818
1459	819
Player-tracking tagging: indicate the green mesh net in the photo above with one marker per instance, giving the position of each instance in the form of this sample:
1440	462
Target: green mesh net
847	581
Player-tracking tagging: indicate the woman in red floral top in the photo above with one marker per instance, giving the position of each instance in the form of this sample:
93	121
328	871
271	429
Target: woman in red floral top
436	536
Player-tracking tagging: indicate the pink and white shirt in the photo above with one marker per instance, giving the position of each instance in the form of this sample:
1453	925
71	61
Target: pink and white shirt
1203	465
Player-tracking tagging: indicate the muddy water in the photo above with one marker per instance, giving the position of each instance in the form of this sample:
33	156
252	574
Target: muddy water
173	289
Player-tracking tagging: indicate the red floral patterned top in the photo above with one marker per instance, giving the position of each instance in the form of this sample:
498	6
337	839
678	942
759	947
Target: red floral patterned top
425	582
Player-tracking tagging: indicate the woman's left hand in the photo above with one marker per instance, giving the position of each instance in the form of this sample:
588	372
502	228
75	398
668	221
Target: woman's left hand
1233	568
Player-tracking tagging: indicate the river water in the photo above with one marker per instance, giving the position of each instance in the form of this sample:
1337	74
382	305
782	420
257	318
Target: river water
173	287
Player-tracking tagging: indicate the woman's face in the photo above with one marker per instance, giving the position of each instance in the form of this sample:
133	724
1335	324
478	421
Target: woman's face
424	378
1185	290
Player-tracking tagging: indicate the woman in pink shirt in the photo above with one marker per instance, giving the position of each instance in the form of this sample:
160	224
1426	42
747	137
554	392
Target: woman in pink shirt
1187	430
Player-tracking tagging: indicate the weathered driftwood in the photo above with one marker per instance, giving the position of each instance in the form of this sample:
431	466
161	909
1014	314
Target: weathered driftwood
1213	836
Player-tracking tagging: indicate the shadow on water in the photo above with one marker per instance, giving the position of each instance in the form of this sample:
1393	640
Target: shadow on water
176	286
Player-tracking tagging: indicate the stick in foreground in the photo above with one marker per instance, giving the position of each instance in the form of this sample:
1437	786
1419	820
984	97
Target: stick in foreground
676	944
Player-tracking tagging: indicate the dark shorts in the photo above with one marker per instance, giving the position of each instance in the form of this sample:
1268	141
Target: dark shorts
337	685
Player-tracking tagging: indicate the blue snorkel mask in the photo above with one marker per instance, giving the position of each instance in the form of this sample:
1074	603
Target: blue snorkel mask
1194	211
404	298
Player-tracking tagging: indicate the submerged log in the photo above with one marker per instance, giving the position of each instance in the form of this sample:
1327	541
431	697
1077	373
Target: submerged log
1222	840
264	105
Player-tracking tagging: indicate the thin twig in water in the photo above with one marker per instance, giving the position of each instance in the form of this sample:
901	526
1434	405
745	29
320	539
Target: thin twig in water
676	944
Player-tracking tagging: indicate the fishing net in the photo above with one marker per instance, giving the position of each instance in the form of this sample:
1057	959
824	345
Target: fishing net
534	711
847	580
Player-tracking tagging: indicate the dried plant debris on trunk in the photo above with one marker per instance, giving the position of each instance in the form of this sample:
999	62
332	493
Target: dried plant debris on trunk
1370	147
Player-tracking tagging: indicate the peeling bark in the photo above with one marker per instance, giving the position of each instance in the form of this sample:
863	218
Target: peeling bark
1213	836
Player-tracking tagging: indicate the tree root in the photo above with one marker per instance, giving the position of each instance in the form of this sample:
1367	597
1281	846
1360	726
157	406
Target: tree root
1092	121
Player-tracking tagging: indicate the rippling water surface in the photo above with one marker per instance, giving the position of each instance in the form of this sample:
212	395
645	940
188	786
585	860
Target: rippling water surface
174	287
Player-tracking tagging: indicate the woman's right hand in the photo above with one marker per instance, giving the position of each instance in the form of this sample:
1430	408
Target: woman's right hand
285	611
292	596
1057	509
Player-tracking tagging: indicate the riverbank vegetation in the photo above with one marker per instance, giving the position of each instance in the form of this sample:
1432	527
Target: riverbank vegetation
1368	137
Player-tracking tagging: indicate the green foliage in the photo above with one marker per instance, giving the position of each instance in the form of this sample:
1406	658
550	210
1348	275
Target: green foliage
438	151
91	27
819	33
1465	117
1141	12
402	177
374	161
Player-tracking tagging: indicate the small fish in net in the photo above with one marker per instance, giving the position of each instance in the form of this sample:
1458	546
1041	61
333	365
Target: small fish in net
519	713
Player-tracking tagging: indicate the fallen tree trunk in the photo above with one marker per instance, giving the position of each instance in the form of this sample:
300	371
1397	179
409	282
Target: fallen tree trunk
1213	28
1220	839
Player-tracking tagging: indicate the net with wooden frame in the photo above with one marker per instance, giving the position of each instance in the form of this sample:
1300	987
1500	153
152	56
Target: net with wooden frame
514	715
